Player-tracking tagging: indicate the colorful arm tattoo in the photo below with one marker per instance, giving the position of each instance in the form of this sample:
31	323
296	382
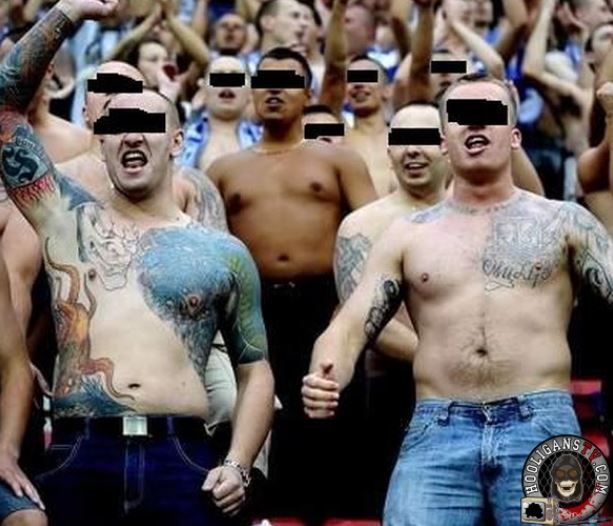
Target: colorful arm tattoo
243	329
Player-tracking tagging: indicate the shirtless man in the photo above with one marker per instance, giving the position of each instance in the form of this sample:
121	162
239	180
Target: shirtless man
218	127
20	504
421	172
139	292
285	199
368	136
492	373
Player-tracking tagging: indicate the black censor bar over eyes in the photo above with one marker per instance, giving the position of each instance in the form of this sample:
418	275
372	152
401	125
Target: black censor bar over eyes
414	136
448	66
114	83
130	120
362	76
313	131
277	79
477	112
227	80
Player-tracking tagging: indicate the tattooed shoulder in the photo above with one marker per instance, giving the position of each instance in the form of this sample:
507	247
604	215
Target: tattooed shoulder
430	214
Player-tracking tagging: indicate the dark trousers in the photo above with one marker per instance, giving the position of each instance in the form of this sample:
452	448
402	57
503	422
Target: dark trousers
97	477
314	465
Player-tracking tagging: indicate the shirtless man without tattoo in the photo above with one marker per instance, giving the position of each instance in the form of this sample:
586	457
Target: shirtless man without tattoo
20	504
139	291
285	198
421	171
476	273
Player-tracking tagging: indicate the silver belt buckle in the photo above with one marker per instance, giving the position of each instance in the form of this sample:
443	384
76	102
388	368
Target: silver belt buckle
135	426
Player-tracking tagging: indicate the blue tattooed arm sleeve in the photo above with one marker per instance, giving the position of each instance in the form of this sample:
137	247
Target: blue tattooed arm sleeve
243	327
25	168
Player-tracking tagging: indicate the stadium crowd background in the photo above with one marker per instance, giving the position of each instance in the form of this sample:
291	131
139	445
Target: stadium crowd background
557	53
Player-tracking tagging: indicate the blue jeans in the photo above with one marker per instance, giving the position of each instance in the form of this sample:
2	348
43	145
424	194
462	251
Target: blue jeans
11	503
99	478
460	457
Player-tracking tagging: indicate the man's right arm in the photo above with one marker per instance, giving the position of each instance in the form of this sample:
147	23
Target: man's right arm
351	252
28	174
357	325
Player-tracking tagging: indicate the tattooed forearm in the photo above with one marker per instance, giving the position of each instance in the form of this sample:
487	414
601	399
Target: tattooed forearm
350	257
388	297
26	170
22	71
592	252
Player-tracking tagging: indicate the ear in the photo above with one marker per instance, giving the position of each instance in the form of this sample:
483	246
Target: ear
177	143
444	148
267	22
515	139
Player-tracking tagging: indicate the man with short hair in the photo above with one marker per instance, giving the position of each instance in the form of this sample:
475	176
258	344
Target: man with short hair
475	272
421	172
230	34
138	291
285	198
219	127
321	114
368	136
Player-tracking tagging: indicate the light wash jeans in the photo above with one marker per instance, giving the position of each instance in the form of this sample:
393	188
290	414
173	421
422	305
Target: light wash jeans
459	457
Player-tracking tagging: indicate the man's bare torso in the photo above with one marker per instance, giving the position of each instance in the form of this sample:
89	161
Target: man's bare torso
136	311
490	294
286	207
219	144
62	139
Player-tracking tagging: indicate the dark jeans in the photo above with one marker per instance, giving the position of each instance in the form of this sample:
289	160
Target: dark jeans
312	467
95	476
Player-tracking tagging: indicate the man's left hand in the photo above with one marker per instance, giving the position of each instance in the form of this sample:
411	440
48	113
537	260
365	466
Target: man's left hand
226	487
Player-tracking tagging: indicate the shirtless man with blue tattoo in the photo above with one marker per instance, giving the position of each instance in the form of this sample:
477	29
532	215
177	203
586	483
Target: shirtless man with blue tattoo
139	292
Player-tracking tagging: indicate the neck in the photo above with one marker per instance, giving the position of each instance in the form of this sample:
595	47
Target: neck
159	205
220	125
425	197
282	135
40	115
372	124
267	44
483	195
95	147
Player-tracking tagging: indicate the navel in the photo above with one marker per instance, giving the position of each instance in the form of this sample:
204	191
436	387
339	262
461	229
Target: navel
283	257
425	277
482	353
316	187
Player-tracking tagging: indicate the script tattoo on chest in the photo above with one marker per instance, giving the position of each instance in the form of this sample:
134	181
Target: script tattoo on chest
350	257
525	247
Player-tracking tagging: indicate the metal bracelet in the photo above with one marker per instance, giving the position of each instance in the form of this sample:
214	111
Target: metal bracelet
244	473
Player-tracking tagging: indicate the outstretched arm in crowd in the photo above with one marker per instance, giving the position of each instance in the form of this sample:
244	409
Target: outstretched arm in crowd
487	54
357	325
412	82
399	16
334	82
513	27
15	394
29	176
131	40
533	67
200	19
396	340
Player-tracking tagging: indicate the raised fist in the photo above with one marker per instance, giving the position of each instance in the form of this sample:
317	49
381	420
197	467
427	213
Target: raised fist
88	9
